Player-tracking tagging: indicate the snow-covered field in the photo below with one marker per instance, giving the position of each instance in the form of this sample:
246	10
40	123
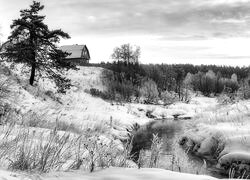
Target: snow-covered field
109	174
217	131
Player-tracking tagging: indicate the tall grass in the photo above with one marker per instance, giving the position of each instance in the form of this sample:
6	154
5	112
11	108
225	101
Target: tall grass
43	150
28	150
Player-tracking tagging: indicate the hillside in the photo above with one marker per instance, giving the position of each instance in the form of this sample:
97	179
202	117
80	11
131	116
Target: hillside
109	121
75	106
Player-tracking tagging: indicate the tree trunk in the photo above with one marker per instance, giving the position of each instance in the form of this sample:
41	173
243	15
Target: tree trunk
32	75
33	59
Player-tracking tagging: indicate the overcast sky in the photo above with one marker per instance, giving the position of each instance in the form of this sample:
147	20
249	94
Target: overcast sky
168	31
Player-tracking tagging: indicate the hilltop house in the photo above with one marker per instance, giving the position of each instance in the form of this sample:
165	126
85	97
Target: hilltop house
79	54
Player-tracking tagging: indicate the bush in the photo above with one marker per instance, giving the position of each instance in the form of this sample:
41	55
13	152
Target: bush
52	96
7	114
244	90
97	93
224	99
149	91
244	93
121	91
123	81
209	83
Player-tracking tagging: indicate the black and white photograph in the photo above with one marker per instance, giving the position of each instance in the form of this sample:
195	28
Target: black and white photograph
124	89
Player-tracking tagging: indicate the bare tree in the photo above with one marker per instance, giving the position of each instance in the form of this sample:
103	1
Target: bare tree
127	53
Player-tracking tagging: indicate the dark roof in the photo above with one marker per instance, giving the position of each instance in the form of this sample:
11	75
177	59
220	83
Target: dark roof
77	51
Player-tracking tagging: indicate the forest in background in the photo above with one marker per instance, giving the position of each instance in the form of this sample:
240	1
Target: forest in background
131	81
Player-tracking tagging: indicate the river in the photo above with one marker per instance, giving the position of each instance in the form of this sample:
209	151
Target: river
172	156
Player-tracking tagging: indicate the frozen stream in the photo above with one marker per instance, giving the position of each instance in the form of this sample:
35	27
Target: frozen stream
172	157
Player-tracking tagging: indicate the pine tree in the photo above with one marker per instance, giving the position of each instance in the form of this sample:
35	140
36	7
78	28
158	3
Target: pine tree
34	45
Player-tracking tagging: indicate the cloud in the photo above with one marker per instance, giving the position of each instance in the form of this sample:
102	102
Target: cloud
180	28
168	18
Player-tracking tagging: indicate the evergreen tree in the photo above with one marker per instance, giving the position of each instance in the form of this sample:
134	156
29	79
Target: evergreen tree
34	45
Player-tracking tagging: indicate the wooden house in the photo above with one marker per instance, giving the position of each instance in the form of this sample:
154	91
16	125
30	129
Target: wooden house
79	54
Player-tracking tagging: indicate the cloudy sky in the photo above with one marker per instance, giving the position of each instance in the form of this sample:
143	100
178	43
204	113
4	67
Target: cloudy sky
168	31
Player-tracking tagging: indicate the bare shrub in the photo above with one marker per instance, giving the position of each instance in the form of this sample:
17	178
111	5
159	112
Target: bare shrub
169	97
155	151
52	96
4	113
5	88
149	91
224	99
244	90
93	152
227	98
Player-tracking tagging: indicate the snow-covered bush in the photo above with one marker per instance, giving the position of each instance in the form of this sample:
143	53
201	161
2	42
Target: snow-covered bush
169	97
224	99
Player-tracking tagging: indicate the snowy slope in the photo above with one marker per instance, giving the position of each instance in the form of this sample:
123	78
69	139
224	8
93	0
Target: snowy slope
109	174
76	106
131	174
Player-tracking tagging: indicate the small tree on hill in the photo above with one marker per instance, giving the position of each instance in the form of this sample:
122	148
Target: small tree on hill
34	45
127	53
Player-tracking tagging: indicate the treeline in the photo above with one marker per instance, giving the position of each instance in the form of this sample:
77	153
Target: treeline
168	82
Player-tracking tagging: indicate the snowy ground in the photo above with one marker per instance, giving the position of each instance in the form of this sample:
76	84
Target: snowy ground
110	174
228	123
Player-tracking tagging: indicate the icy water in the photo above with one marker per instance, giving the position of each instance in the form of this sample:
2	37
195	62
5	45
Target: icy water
172	156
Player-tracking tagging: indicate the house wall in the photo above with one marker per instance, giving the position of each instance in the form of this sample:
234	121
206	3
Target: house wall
78	61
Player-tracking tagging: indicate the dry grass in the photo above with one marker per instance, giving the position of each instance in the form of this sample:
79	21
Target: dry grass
27	150
35	149
32	119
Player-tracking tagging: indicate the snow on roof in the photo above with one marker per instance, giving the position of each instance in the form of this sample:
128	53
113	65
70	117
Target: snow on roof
77	51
